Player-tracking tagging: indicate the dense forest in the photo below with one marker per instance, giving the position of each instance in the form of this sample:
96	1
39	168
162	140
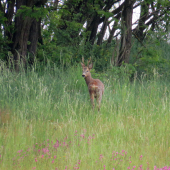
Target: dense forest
134	33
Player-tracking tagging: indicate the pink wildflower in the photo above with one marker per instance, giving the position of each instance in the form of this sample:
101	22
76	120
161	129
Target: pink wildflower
82	135
101	157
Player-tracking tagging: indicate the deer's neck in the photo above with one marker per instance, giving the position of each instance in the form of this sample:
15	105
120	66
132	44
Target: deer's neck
88	79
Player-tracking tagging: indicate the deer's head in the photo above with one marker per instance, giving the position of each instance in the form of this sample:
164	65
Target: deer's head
86	69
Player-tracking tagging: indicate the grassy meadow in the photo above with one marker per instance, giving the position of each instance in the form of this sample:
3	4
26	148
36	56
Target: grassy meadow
46	122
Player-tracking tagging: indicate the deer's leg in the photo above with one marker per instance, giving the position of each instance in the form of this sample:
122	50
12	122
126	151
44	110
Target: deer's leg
92	100
98	103
99	99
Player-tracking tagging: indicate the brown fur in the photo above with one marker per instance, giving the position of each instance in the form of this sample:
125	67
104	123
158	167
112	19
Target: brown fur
95	86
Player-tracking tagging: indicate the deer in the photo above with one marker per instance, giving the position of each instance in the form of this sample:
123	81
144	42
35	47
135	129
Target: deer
95	86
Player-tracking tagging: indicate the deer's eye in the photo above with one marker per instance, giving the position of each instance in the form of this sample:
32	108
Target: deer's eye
87	71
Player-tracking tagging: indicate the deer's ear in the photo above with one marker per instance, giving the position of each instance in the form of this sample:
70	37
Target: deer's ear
91	66
82	64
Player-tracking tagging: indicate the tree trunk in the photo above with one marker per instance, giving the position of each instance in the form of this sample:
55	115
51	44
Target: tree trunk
20	40
33	39
93	28
26	33
112	32
102	32
126	33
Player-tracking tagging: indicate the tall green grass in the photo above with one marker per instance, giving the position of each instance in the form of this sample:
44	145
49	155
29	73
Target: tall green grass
47	122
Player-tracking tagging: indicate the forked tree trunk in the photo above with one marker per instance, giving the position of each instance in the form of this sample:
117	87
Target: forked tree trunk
126	33
27	31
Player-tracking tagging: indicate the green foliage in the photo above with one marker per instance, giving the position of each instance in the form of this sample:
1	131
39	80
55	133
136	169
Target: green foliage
106	14
65	40
125	72
35	12
3	40
2	18
102	55
155	55
70	54
3	47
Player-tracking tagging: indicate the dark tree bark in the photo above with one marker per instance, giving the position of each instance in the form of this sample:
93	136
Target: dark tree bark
112	32
20	39
126	33
35	34
93	28
26	32
102	32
